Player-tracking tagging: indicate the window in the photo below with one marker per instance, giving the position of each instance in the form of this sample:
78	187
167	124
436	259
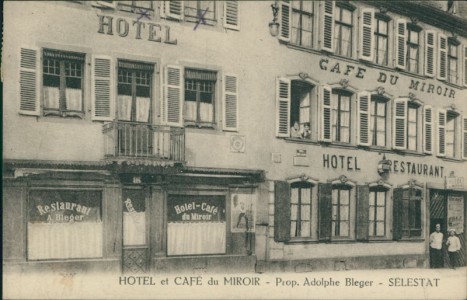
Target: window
378	115
301	209
55	214
341	112
412	125
63	82
196	224
453	73
341	211
413	45
377	212
302	23
197	11
134	91
448	132
407	125
381	41
343	31
407	212
300	109
136	6
200	91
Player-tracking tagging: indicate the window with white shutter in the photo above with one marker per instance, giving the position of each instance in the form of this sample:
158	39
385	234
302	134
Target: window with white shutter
230	102
231	15
327	31
378	120
173	96
381	39
283	87
364	118
428	129
413	48
430	53
343	30
285	24
400	124
452	67
401	43
464	137
441	132
367	17
326	113
442	56
173	9
28	82
452	141
199	107
102	88
200	12
302	23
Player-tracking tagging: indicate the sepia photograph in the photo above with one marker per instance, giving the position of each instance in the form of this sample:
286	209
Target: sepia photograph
234	149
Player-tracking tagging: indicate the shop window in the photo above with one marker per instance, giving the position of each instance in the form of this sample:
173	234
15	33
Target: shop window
378	120
199	11
381	40
136	6
343	26
196	224
448	133
301	209
407	218
413	48
200	96
407	124
341	116
302	23
134	218
62	83
453	73
64	224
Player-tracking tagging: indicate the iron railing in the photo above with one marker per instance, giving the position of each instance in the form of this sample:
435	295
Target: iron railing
136	140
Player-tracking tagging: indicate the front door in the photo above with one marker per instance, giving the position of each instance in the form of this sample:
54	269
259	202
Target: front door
135	232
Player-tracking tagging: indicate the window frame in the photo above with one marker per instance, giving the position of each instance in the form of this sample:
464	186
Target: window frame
373	120
336	114
375	188
340	7
453	117
62	85
343	184
133	8
413	45
196	19
453	58
300	12
381	18
313	185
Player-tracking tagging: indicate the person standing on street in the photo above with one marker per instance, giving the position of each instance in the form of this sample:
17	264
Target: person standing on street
454	246
436	246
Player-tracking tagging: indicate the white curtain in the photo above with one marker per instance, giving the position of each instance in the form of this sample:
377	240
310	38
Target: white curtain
195	238
51	97
205	112
73	99
161	145
142	109
64	240
124	107
134	228
190	110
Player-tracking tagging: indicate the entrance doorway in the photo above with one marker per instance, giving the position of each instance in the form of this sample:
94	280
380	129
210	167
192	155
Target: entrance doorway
135	231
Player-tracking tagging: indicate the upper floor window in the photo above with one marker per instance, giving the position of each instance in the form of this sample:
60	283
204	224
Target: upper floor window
378	121
343	27
407	124
381	41
412	125
136	6
300	109
302	23
200	95
453	60
62	82
341	116
413	48
199	11
449	127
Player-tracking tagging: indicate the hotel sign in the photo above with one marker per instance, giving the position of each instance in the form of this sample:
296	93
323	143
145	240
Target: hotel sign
196	208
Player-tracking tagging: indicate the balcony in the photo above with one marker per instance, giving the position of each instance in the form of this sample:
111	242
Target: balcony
126	140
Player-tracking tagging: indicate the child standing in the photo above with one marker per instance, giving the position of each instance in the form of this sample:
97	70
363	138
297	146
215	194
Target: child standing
454	246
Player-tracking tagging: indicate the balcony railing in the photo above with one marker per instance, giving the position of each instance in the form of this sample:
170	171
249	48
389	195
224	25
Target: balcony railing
135	140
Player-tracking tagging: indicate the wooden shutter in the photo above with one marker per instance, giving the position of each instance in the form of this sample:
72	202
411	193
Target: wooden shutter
325	211
285	23
363	212
464	137
283	107
327	30
397	214
173	9
442	56
428	129
29	82
401	43
173	96
102	88
281	211
231	15
400	124
367	36
465	64
442	132
326	113
430	53
230	102
364	103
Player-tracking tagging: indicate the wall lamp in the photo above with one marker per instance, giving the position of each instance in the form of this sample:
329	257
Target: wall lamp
274	26
384	167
